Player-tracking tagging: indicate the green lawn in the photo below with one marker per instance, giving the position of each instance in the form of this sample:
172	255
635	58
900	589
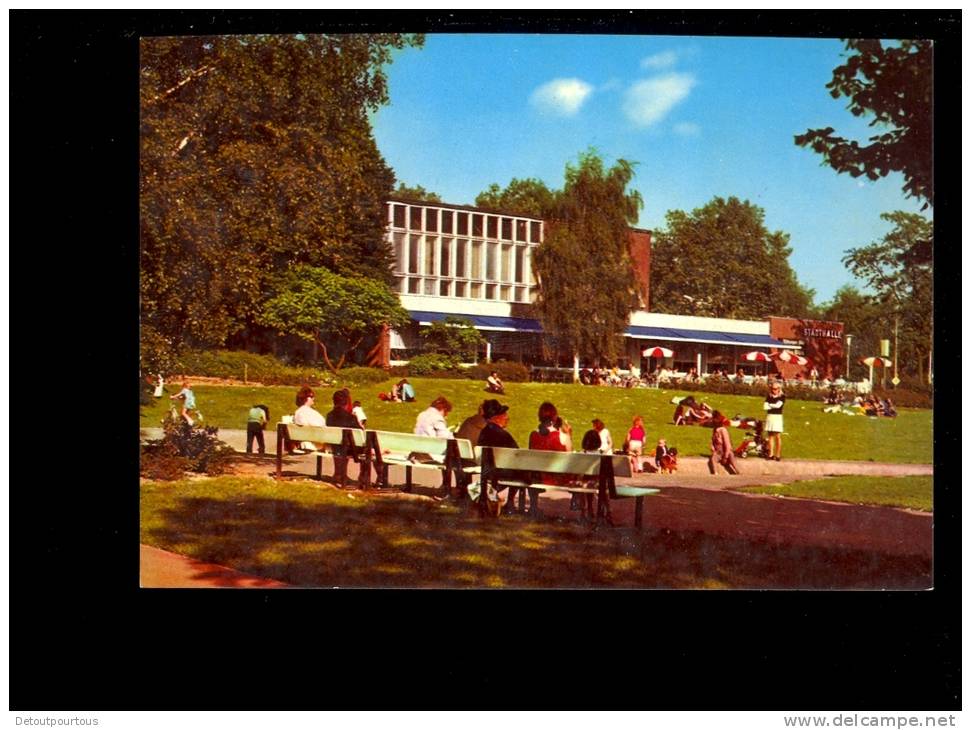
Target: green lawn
308	533
811	434
915	492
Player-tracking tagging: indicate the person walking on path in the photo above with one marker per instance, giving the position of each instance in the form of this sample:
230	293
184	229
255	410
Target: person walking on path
188	399
635	444
255	423
721	445
774	403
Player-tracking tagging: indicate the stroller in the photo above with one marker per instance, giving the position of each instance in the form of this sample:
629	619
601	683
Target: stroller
754	443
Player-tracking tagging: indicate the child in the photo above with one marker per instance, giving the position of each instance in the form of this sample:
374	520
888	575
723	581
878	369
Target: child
255	423
359	413
188	399
660	452
721	446
591	444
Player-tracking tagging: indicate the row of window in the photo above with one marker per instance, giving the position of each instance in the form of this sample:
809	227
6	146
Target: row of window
462	258
465	223
433	286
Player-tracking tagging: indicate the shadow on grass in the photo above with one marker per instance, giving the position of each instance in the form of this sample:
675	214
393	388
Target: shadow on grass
319	536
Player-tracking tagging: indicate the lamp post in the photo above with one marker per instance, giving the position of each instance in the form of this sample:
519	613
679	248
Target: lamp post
849	341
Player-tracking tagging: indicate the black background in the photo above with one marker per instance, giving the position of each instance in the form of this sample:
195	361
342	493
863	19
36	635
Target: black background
84	636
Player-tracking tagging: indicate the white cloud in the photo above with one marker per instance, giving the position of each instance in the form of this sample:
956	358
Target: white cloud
562	96
649	101
665	59
687	129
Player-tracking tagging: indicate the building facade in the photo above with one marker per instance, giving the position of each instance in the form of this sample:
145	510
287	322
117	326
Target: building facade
453	260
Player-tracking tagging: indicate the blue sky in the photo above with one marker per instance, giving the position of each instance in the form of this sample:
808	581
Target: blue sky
702	117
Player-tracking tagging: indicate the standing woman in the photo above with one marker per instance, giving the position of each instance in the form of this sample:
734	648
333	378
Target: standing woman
635	444
774	402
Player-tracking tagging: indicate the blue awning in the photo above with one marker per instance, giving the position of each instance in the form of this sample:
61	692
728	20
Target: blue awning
518	324
481	321
709	337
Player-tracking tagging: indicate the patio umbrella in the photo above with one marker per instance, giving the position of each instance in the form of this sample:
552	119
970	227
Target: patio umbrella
756	356
658	352
787	356
876	362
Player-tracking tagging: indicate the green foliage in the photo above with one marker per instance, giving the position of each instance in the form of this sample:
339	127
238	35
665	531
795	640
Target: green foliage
237	365
362	376
416	193
721	261
528	197
185	448
896	269
509	372
256	153
894	85
431	362
587	285
314	303
456	336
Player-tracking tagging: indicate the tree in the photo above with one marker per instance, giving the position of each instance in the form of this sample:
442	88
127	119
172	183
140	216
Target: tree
320	306
894	84
256	153
454	336
416	193
902	283
721	261
587	285
529	197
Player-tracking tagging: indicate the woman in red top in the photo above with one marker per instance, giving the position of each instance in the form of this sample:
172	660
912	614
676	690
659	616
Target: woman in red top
635	444
546	437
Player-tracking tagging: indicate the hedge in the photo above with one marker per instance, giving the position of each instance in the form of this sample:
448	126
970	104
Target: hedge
238	365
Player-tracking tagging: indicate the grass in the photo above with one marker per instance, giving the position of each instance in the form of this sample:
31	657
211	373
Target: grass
308	533
810	433
914	492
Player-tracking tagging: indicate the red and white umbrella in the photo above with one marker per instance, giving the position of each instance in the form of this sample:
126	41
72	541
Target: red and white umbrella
787	356
756	356
658	352
877	361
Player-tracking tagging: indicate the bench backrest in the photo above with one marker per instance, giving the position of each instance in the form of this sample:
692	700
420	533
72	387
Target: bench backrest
331	435
407	443
555	462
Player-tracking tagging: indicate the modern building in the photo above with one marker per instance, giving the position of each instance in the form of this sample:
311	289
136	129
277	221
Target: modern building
454	260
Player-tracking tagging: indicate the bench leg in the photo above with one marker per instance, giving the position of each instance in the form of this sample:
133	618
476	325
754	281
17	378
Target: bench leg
408	479
638	511
320	467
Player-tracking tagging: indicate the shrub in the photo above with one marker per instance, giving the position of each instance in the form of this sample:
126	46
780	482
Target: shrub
907	398
429	363
509	372
362	376
185	448
237	365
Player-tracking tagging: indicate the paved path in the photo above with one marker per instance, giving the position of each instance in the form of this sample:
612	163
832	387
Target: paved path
691	501
162	569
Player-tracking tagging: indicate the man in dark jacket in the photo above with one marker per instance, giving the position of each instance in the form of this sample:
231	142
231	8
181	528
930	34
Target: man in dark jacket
495	434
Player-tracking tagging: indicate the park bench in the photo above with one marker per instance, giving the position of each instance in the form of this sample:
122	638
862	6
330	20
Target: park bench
351	440
563	463
418	452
